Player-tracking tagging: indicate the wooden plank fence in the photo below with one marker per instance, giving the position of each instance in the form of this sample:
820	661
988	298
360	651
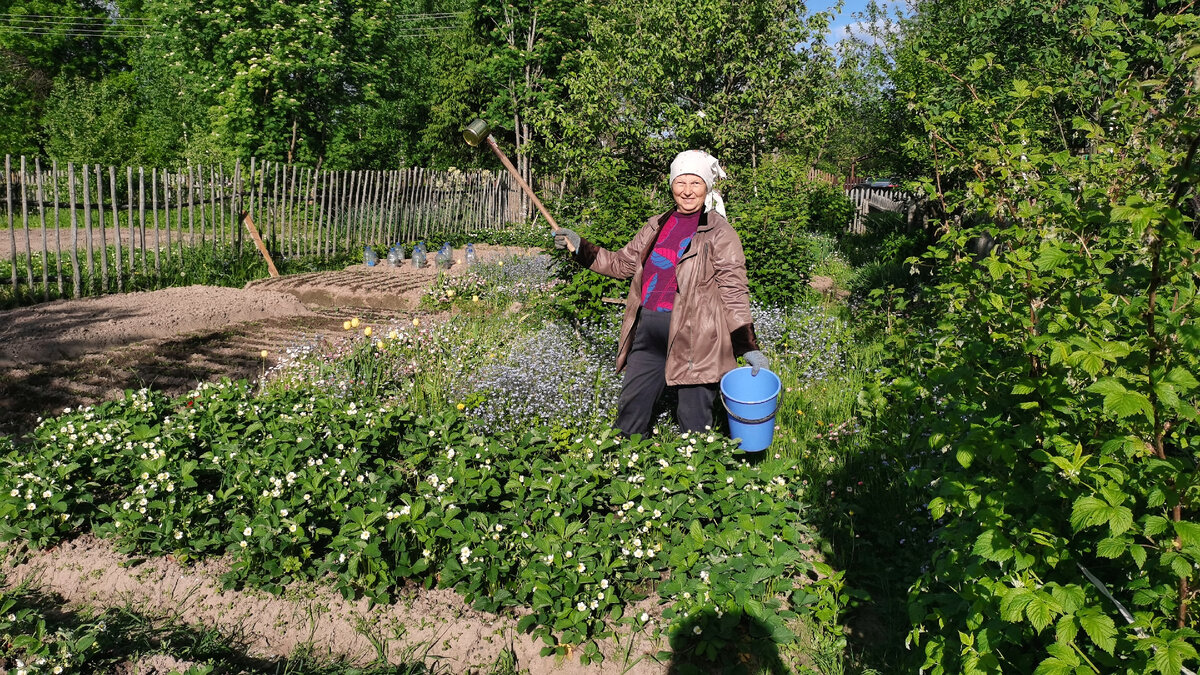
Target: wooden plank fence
143	221
868	199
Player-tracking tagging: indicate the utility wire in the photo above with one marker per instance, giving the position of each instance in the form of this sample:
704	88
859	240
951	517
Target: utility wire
55	18
138	27
49	18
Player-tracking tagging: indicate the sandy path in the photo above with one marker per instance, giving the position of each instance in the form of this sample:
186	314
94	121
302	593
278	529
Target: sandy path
88	572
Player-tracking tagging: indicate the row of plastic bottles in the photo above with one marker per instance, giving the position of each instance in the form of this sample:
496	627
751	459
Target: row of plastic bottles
420	255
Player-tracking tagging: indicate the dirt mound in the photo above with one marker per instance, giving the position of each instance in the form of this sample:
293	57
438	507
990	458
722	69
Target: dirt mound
429	625
378	287
64	329
381	286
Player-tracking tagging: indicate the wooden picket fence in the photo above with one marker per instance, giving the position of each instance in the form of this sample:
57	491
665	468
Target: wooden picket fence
135	220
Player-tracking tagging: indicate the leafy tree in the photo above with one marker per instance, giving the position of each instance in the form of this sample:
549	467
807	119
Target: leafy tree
662	75
1058	375
869	117
89	121
47	41
285	81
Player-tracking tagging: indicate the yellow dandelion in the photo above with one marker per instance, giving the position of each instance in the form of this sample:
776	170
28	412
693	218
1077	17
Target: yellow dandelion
462	406
392	335
500	264
367	331
379	344
345	325
450	293
474	298
416	322
263	353
354	322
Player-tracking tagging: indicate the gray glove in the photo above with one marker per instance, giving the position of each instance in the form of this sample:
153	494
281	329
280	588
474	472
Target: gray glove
755	360
564	238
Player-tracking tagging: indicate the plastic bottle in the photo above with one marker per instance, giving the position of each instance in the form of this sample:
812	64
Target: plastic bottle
442	259
470	254
399	254
418	256
391	258
369	256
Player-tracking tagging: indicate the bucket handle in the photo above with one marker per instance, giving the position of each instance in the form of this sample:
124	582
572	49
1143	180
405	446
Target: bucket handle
743	420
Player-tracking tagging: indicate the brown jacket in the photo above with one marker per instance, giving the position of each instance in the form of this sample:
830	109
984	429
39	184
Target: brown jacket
711	323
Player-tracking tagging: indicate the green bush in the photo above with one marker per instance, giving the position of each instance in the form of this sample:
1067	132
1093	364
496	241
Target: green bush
775	210
302	483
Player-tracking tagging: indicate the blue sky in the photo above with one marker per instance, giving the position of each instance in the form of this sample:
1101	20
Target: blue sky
844	21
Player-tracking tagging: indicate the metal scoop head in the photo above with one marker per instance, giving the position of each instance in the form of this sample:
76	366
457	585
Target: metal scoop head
476	131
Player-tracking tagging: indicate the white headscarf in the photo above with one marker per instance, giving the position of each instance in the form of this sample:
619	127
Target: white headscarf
706	167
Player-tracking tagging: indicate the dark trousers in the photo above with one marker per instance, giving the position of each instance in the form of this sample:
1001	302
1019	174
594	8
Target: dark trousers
646	377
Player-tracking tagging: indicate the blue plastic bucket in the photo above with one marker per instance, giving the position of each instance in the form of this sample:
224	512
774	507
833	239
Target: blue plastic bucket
751	401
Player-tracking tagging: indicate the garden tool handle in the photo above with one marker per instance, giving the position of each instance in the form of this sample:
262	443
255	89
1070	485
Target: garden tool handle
525	186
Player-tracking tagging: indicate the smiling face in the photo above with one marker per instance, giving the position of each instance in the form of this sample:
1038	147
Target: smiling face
689	191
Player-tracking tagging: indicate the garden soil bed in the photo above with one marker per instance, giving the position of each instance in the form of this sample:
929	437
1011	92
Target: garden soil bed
69	353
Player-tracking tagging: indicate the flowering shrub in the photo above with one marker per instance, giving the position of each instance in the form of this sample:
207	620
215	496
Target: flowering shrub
421	362
294	485
812	342
496	284
554	376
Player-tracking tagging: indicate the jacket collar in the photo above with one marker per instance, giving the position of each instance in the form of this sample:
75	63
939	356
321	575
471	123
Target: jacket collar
704	225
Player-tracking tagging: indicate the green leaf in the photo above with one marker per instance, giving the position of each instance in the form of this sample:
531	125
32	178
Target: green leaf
1120	520
1050	258
1189	533
1182	379
1100	628
1041	610
997	553
1155	525
1138	554
1112	547
1065	630
1181	567
1169	657
1056	666
1128	403
964	456
1088	512
1013	604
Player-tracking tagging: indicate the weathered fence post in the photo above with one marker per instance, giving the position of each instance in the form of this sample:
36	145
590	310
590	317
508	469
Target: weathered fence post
41	199
112	191
57	231
129	216
142	215
25	221
154	210
12	232
76	276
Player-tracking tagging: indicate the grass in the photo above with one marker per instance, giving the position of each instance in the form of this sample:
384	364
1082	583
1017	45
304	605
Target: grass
42	635
207	265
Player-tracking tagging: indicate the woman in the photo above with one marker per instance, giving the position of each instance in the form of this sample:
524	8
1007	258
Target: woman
687	316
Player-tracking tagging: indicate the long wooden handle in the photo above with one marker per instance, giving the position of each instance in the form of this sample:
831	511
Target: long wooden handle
262	248
525	186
